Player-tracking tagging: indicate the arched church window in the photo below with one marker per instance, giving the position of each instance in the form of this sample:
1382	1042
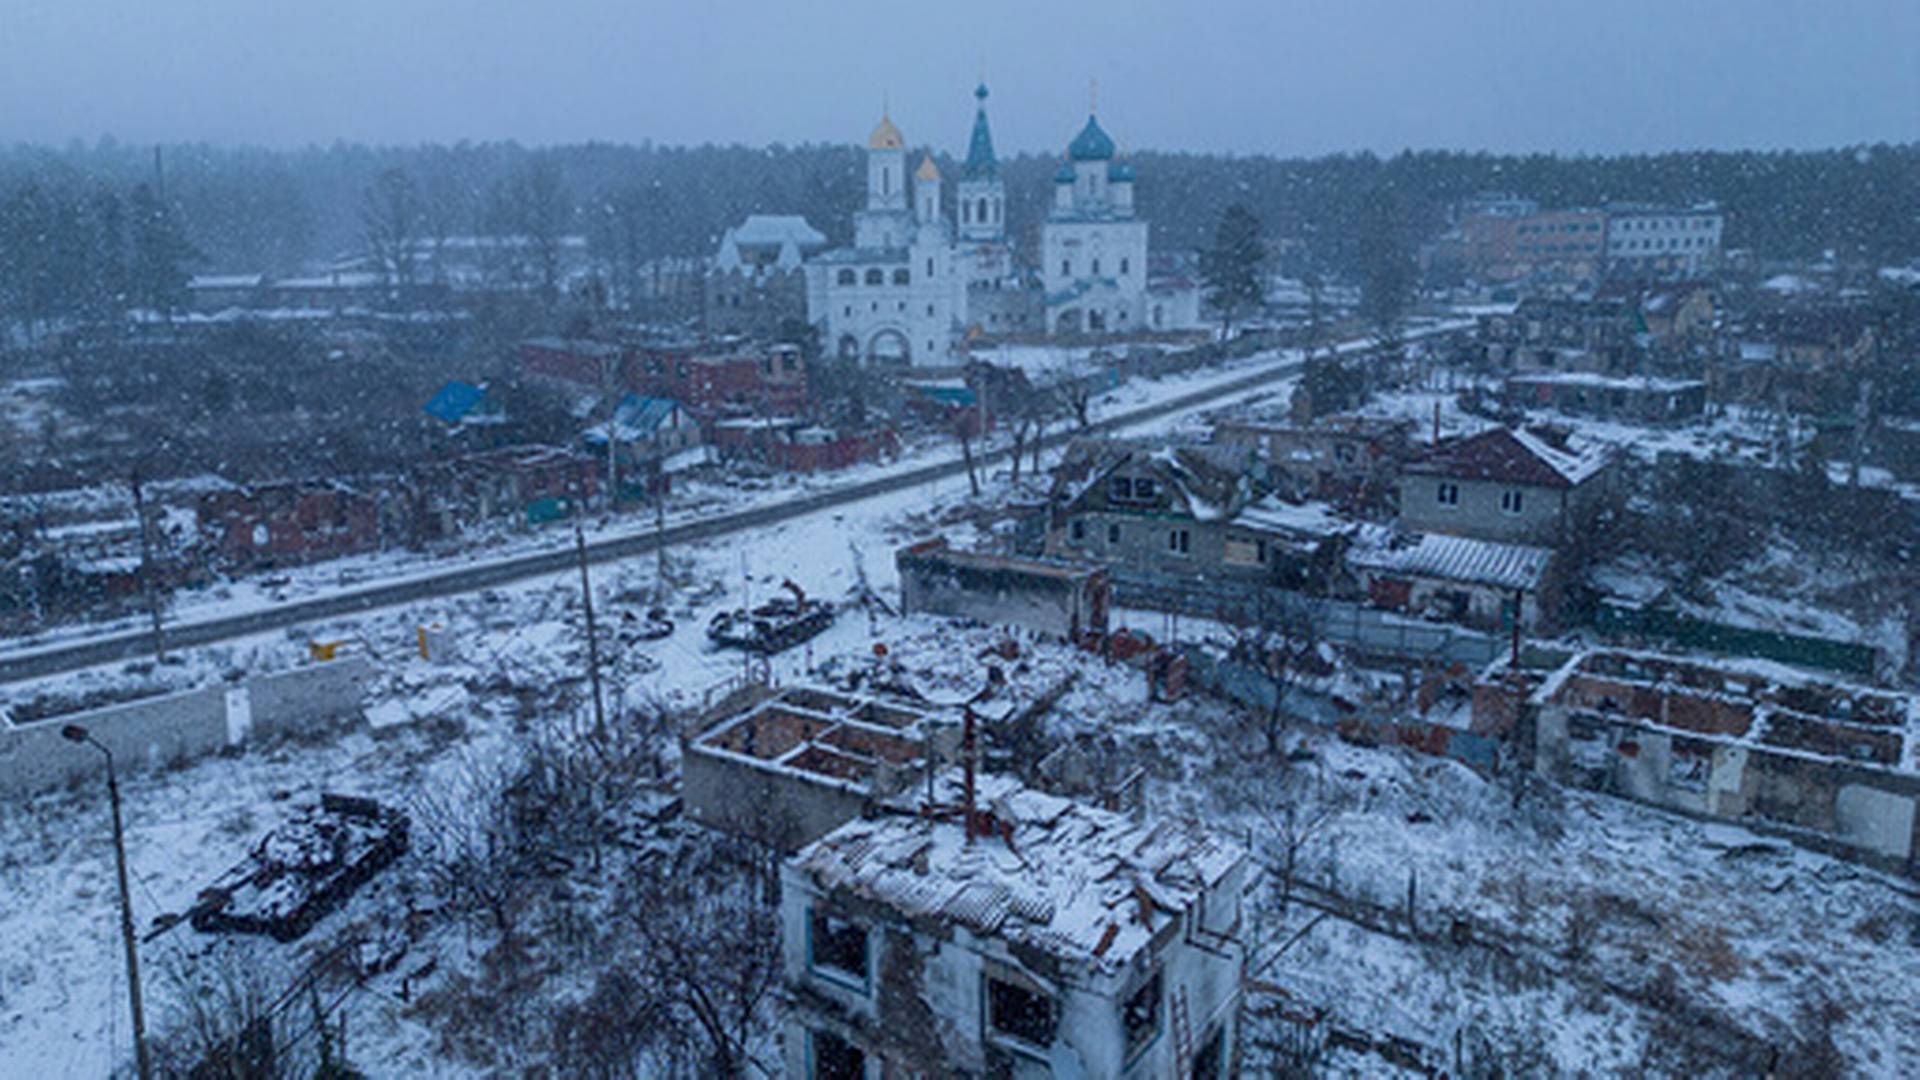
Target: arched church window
983	208
848	277
929	267
1096	267
901	276
966	212
1123	266
1066	267
876	277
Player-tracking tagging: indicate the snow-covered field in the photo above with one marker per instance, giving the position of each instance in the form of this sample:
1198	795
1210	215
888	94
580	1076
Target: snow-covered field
62	1006
1757	933
1609	906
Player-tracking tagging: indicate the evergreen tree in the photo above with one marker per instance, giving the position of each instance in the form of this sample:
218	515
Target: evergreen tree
1387	271
157	276
104	292
1233	272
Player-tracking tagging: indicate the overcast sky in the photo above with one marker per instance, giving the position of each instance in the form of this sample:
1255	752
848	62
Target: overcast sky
1260	76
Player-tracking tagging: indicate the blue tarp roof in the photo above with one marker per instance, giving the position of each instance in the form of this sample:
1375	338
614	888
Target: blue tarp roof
455	400
643	413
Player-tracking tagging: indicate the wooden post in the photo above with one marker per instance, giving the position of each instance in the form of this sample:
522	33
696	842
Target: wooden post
966	752
593	640
146	557
1413	878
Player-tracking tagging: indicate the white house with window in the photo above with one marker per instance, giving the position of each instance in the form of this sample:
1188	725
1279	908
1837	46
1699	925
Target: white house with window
1504	484
1050	940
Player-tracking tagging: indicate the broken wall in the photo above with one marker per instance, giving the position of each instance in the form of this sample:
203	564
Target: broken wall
1866	813
176	729
786	810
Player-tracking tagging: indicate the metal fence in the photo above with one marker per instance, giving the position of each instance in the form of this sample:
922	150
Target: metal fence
1672	628
1345	623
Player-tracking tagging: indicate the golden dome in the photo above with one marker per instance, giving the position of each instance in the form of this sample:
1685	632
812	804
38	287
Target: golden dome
885	136
927	170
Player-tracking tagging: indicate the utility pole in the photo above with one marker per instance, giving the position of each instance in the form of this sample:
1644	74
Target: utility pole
593	639
76	733
659	532
146	567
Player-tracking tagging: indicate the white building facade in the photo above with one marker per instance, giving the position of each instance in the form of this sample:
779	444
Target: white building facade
1643	239
921	278
1093	262
897	296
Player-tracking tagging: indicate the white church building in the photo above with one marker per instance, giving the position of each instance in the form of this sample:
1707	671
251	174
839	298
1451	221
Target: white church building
1093	251
897	296
918	281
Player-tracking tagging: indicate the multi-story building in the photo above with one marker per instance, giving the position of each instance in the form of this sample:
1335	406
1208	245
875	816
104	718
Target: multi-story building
1505	485
1569	244
1093	250
1013	933
1663	240
898	296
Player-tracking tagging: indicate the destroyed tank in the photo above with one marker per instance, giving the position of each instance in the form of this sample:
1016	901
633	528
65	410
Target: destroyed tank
775	626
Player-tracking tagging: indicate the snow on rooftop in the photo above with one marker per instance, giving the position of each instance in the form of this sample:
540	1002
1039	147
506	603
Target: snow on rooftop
1458	558
1592	378
1576	467
1088	886
1278	515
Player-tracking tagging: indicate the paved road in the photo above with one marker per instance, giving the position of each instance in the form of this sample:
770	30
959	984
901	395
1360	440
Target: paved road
103	650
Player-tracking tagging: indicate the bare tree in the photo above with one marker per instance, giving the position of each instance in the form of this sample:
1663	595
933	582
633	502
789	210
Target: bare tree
393	216
709	946
964	425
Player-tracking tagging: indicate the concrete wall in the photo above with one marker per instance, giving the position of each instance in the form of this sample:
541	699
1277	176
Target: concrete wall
1052	612
288	701
179	728
1864	813
148	734
786	810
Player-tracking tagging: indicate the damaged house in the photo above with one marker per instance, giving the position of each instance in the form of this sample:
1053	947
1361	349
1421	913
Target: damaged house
1347	460
1056	597
786	766
1490	525
1032	937
1831	765
1187	512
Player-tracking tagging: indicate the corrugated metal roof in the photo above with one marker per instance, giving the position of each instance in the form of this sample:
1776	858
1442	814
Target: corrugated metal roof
1458	558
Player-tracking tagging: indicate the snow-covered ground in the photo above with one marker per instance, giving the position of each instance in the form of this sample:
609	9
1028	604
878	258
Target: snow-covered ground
691	502
1750	930
61	994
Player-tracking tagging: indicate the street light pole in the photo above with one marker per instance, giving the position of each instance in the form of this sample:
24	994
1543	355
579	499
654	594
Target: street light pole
78	734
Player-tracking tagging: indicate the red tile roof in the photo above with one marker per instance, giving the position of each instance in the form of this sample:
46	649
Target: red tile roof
1503	455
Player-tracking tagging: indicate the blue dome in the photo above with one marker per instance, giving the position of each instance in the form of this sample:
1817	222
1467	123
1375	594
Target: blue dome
1119	173
1091	144
1065	175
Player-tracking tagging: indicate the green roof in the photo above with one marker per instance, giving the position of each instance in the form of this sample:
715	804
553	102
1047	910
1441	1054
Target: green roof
1092	144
